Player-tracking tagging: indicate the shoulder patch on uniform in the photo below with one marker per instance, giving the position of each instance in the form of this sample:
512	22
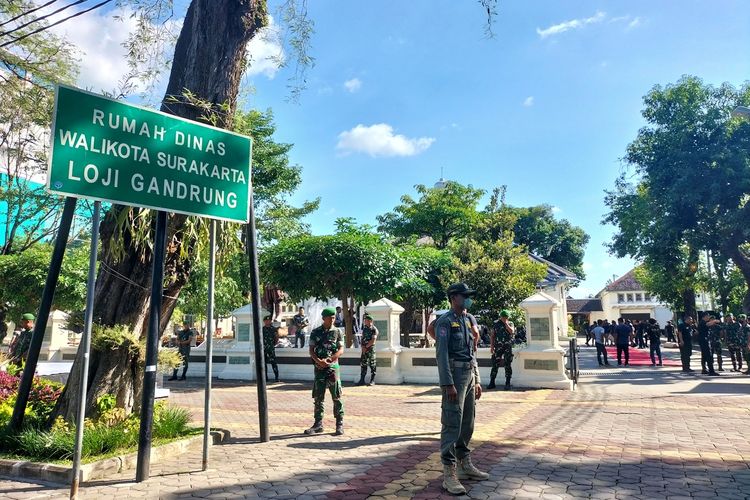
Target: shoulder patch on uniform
442	331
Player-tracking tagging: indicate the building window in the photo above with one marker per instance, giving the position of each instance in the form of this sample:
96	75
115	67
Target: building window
630	297
539	329
647	297
638	297
620	298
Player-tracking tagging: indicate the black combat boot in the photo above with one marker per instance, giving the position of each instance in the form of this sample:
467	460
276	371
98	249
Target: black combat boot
372	379
339	427
491	384
184	372
362	376
316	428
507	383
174	375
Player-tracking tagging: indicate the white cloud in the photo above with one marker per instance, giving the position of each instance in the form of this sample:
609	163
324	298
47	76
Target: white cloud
379	140
634	23
529	101
353	85
572	24
556	209
265	52
99	37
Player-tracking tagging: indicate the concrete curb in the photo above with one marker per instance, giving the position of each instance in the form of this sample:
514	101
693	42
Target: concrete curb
102	468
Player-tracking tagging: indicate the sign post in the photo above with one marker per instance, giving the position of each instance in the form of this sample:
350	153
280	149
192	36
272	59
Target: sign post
109	150
85	348
209	340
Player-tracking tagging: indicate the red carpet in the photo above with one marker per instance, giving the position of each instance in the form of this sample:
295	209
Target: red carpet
639	357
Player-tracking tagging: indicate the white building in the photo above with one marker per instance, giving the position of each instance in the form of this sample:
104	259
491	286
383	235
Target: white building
623	298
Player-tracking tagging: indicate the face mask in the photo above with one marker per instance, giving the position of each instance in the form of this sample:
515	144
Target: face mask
468	302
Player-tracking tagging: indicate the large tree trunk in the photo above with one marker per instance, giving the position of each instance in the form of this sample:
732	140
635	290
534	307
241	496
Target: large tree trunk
210	57
406	320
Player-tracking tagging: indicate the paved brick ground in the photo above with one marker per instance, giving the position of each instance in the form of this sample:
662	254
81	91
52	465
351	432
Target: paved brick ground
640	433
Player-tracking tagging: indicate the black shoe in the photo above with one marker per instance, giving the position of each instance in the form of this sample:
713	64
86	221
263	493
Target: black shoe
361	382
720	370
173	377
339	428
607	364
183	377
714	374
316	428
491	386
507	387
601	364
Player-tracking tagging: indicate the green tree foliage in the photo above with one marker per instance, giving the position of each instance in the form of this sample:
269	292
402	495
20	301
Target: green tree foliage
502	273
275	179
351	263
228	294
441	213
691	185
558	241
23	276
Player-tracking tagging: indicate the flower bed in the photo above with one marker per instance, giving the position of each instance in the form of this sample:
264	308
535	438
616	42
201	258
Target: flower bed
109	433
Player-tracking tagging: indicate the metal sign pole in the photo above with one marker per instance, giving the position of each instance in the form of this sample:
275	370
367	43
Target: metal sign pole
209	340
61	241
85	348
152	349
260	367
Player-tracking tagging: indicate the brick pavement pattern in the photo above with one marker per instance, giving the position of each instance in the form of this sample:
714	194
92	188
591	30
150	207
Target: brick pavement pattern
607	440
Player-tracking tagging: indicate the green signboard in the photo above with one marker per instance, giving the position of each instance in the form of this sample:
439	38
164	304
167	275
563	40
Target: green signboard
113	151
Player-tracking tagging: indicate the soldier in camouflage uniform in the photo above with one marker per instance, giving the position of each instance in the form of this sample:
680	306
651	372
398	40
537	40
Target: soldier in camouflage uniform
270	338
326	346
717	337
501	346
368	357
745	341
19	348
734	343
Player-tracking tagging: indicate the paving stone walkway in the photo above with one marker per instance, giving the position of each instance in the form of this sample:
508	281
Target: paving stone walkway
636	433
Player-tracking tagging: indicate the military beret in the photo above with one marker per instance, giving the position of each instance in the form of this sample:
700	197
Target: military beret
742	316
28	317
328	312
267	318
367	316
504	313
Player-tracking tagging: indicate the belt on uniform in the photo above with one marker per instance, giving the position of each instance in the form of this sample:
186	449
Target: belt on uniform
461	364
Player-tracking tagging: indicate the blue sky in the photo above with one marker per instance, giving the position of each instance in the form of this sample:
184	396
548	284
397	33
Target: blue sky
402	89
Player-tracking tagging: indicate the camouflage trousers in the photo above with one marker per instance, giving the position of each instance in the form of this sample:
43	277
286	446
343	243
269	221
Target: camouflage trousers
330	380
369	359
717	350
502	357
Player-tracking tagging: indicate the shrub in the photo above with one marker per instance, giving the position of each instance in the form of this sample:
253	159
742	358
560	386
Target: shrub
170	421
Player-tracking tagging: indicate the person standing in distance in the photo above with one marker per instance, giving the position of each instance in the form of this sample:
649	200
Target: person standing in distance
300	322
461	387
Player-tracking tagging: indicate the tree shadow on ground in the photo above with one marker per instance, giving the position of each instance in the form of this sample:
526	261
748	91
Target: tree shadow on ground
349	444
